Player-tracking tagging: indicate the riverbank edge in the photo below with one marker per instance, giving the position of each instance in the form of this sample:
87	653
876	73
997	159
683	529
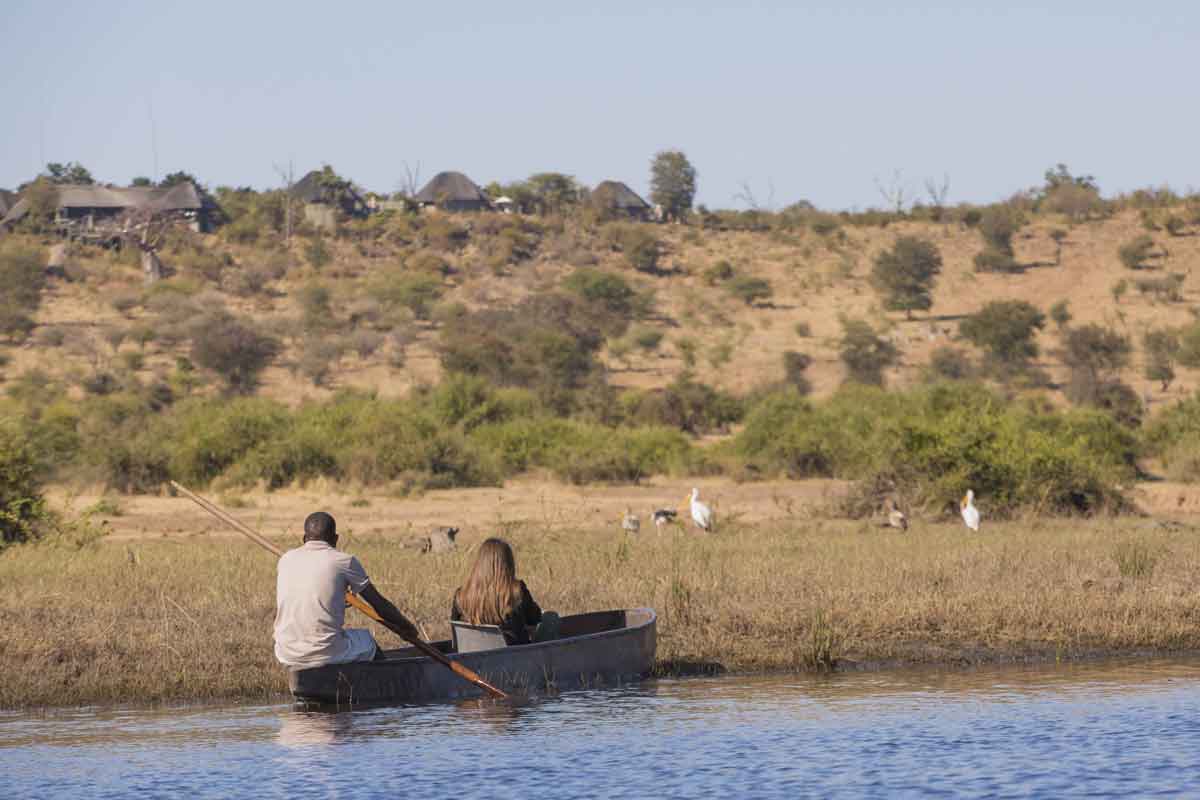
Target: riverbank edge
677	669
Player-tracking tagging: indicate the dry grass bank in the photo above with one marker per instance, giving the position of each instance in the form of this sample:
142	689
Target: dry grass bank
165	620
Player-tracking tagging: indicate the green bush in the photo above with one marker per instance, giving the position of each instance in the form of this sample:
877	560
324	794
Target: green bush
865	354
233	349
750	290
719	272
687	406
932	444
1006	330
416	292
950	363
23	510
1136	253
23	275
1162	348
637	243
317	252
998	224
795	364
606	289
991	259
905	274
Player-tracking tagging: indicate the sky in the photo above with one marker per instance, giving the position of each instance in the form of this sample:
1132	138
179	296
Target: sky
817	101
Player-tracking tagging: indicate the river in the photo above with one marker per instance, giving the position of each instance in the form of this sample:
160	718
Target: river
1100	730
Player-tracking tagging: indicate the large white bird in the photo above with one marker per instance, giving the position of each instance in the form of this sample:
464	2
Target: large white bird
702	515
970	513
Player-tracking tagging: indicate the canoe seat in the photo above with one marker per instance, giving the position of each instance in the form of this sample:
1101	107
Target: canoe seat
468	638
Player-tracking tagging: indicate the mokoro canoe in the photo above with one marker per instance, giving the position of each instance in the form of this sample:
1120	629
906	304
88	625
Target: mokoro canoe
595	649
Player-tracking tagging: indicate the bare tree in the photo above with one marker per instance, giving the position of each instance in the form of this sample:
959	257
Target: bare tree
895	192
746	195
288	177
938	192
410	184
146	228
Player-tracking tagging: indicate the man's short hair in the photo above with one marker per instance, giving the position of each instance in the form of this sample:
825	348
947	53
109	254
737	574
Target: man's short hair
320	526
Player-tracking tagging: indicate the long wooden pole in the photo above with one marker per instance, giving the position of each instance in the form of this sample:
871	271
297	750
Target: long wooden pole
351	599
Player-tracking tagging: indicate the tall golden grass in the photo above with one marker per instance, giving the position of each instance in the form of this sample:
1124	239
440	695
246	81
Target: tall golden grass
166	621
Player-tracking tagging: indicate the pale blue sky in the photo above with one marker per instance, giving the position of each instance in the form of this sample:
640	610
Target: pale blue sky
817	98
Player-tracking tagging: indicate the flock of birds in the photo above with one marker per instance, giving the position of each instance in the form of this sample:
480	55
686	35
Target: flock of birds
702	515
895	518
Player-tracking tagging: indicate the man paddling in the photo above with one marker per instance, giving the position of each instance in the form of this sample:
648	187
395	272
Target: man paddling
310	602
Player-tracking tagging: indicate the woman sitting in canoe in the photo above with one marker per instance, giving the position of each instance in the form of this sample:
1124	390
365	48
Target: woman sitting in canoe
493	595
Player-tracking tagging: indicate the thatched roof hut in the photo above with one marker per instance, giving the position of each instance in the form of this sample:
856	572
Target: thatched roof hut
453	191
92	204
616	198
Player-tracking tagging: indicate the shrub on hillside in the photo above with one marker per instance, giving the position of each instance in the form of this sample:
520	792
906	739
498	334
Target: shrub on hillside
998	224
719	272
23	275
795	365
233	349
319	358
688	406
442	233
317	252
1136	253
1162	347
605	289
1005	330
546	343
1168	288
905	274
865	353
316	307
1060	313
416	292
950	363
637	243
750	290
991	259
1095	350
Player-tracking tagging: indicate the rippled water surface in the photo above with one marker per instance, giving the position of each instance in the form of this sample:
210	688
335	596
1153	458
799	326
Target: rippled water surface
1101	730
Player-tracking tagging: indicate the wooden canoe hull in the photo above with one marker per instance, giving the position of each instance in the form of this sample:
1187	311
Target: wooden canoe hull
595	649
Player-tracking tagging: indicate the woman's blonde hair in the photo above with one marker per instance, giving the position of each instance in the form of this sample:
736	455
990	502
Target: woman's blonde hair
492	590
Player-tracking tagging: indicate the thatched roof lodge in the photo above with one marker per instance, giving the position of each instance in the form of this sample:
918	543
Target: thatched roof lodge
82	208
617	199
453	191
325	195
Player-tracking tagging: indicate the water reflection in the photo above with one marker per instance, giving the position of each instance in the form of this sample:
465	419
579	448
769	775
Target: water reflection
1110	729
313	728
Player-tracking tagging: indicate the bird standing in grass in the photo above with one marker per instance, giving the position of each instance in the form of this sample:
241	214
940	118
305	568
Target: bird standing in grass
970	513
630	523
702	515
895	517
663	517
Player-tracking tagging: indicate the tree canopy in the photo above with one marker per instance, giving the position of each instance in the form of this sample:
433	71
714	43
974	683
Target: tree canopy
672	182
904	275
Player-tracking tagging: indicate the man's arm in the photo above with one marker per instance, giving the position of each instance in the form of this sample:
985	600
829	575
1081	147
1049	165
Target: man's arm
384	608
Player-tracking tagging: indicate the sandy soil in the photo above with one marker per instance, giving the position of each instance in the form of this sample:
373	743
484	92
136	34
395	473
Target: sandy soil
478	512
482	512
